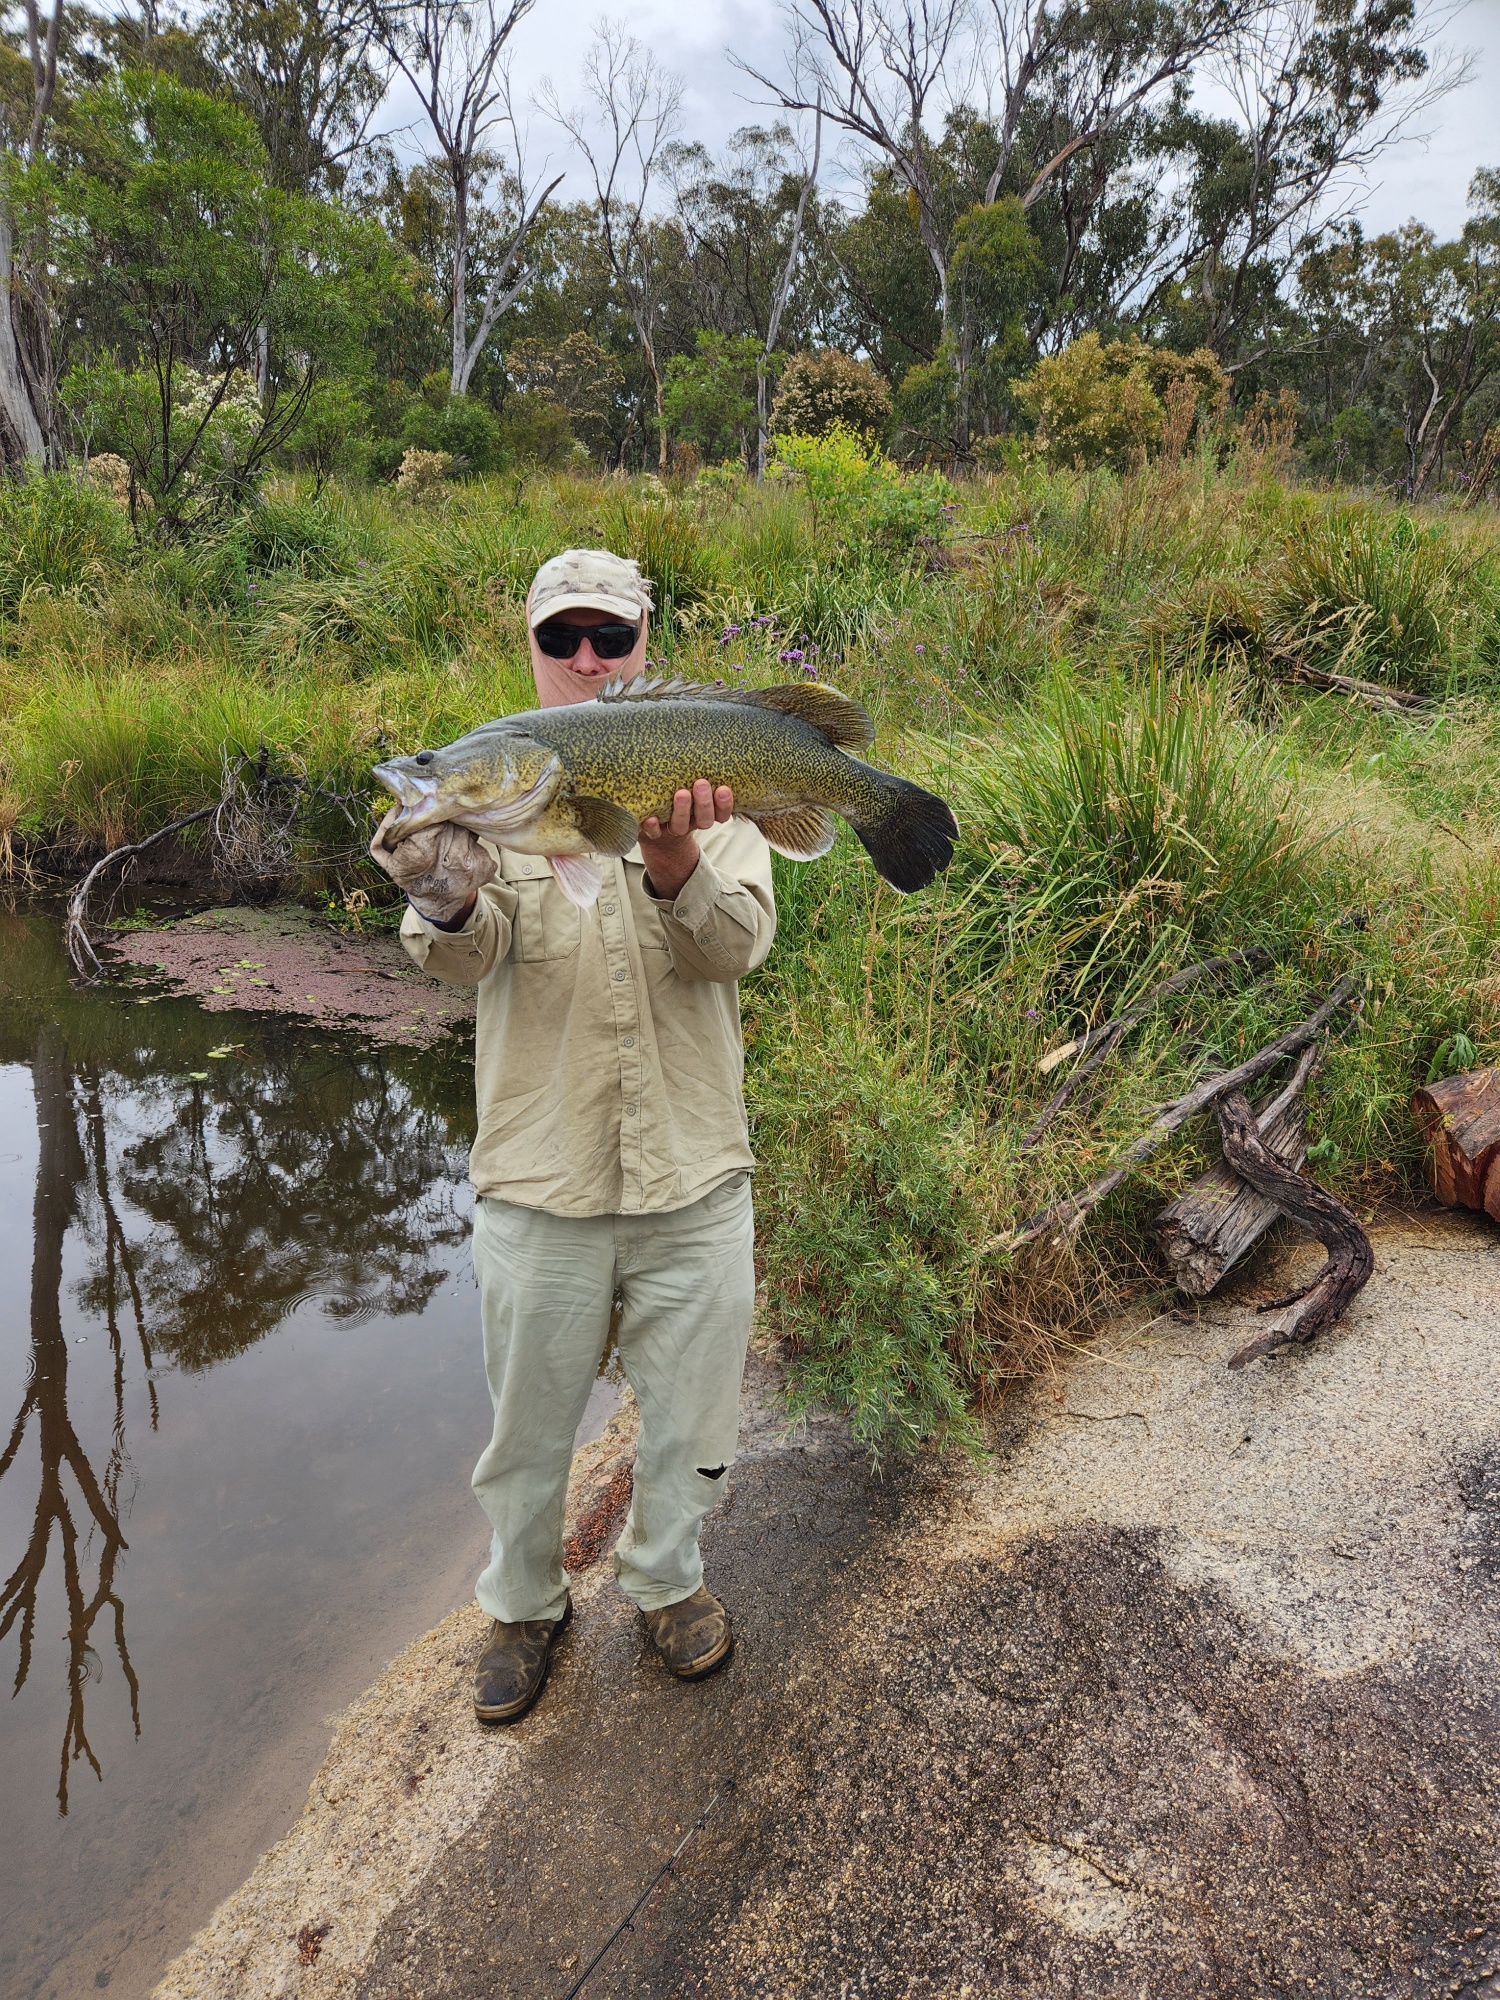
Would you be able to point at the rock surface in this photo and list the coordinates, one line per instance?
(1192, 1690)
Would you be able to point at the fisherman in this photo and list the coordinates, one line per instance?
(612, 1158)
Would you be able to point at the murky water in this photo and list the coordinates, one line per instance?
(240, 1395)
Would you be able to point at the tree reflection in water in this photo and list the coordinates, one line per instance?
(204, 1213)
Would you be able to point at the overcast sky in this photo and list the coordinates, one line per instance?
(1423, 179)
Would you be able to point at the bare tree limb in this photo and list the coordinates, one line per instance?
(1311, 1307)
(1098, 1043)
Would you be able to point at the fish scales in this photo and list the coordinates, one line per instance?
(573, 782)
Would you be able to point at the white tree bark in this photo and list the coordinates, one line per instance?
(24, 436)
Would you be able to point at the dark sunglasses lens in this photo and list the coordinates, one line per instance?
(559, 642)
(613, 642)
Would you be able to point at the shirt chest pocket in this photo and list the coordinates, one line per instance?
(547, 924)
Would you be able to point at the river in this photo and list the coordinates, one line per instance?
(241, 1392)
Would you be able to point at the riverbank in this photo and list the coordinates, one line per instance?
(1194, 1686)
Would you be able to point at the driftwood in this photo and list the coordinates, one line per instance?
(1209, 1228)
(1067, 1216)
(1095, 1046)
(1350, 1260)
(1461, 1118)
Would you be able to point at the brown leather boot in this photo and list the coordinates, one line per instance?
(512, 1669)
(693, 1636)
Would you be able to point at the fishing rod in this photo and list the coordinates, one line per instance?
(650, 1889)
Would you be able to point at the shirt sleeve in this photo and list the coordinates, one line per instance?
(463, 957)
(723, 922)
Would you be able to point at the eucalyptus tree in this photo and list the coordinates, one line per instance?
(623, 130)
(452, 53)
(27, 375)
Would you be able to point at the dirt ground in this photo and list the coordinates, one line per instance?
(1193, 1689)
(286, 960)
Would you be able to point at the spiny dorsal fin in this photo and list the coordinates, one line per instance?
(842, 721)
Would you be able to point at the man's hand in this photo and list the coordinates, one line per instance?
(671, 852)
(442, 869)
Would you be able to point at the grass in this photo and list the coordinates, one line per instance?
(1095, 669)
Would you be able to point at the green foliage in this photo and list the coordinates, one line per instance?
(821, 392)
(1372, 595)
(856, 489)
(1138, 823)
(1107, 404)
(58, 532)
(709, 396)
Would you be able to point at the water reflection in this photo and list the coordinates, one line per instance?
(184, 1205)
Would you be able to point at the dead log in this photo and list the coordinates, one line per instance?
(1397, 700)
(1067, 1216)
(1350, 1259)
(1209, 1227)
(1461, 1118)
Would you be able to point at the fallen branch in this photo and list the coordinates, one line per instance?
(1068, 1215)
(1369, 692)
(1098, 1043)
(1210, 1226)
(1311, 1307)
(81, 953)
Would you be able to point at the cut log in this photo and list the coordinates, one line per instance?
(1350, 1259)
(1209, 1227)
(1461, 1118)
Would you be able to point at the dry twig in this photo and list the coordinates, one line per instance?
(1098, 1043)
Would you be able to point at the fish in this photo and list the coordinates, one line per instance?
(574, 782)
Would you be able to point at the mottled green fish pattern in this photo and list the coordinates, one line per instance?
(576, 781)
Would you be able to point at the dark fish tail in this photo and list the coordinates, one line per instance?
(907, 831)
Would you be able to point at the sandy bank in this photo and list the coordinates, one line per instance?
(1193, 1689)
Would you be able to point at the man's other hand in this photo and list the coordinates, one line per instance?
(671, 851)
(442, 869)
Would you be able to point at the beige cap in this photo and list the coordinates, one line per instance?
(588, 580)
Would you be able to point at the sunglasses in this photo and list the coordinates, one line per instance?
(560, 641)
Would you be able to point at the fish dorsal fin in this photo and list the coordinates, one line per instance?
(842, 721)
(834, 715)
(655, 687)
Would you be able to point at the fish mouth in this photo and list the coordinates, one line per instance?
(416, 799)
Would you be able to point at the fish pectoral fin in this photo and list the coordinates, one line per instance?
(607, 827)
(801, 833)
(577, 875)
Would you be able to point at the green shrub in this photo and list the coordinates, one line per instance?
(61, 533)
(1138, 826)
(1098, 404)
(1371, 595)
(827, 388)
(857, 490)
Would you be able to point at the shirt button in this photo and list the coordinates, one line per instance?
(627, 1041)
(630, 1111)
(619, 975)
(608, 909)
(525, 867)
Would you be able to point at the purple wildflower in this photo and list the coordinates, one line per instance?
(738, 667)
(811, 672)
(792, 653)
(920, 647)
(1032, 1014)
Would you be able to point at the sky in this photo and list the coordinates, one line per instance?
(1425, 177)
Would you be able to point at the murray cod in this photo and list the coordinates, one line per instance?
(572, 782)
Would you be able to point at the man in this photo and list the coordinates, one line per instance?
(612, 1158)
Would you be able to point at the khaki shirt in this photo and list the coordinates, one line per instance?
(608, 1062)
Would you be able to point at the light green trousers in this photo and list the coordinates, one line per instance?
(686, 1282)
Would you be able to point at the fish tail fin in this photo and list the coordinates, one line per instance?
(912, 839)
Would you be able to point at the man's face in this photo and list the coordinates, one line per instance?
(565, 675)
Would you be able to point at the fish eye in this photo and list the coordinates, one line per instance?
(423, 757)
